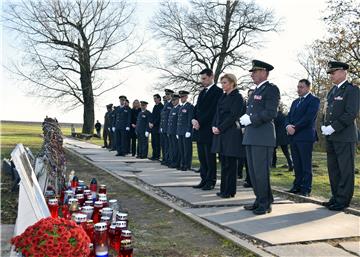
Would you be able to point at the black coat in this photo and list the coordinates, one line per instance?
(155, 117)
(134, 115)
(229, 109)
(204, 113)
(281, 135)
(142, 122)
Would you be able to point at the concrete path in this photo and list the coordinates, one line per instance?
(290, 230)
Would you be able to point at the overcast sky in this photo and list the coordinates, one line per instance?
(301, 25)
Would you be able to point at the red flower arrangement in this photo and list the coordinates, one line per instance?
(53, 237)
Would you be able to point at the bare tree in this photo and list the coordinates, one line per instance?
(212, 34)
(69, 44)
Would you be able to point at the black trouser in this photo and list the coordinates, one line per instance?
(134, 150)
(207, 163)
(118, 140)
(241, 162)
(174, 159)
(185, 149)
(143, 143)
(164, 139)
(112, 140)
(341, 168)
(259, 161)
(286, 152)
(121, 141)
(127, 142)
(106, 136)
(228, 175)
(155, 143)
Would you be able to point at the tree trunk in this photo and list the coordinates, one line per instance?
(87, 90)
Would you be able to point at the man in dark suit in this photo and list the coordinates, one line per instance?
(164, 116)
(300, 126)
(107, 127)
(155, 127)
(184, 131)
(259, 136)
(204, 113)
(133, 138)
(341, 135)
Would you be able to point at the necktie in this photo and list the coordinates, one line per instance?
(300, 101)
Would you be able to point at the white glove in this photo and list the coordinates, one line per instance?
(187, 134)
(327, 130)
(109, 129)
(245, 120)
(161, 130)
(177, 136)
(127, 128)
(146, 134)
(113, 129)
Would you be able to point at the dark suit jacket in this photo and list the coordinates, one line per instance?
(262, 108)
(303, 117)
(155, 117)
(341, 112)
(204, 112)
(228, 111)
(282, 137)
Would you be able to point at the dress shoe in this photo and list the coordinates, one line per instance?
(294, 190)
(330, 202)
(219, 194)
(261, 210)
(247, 185)
(200, 185)
(197, 171)
(179, 168)
(291, 168)
(104, 146)
(208, 187)
(337, 207)
(250, 207)
(118, 154)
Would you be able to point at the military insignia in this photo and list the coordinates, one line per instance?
(184, 110)
(125, 111)
(144, 116)
(174, 113)
(169, 108)
(338, 98)
(257, 97)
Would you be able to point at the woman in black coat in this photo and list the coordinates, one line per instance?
(227, 136)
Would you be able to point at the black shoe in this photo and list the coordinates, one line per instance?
(261, 210)
(197, 171)
(330, 202)
(179, 168)
(200, 185)
(305, 194)
(246, 184)
(112, 149)
(250, 207)
(291, 168)
(227, 196)
(208, 187)
(118, 154)
(337, 207)
(104, 146)
(294, 190)
(219, 194)
(137, 157)
(184, 169)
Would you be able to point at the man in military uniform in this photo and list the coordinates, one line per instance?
(142, 130)
(164, 116)
(155, 127)
(341, 135)
(174, 160)
(259, 136)
(122, 126)
(107, 127)
(184, 131)
(128, 132)
(112, 130)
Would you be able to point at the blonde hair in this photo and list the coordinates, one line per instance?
(230, 77)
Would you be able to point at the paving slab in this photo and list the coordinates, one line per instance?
(7, 232)
(313, 250)
(353, 247)
(287, 223)
(162, 178)
(209, 198)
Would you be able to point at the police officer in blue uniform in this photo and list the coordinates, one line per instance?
(184, 131)
(341, 135)
(174, 158)
(122, 126)
(164, 116)
(155, 127)
(107, 127)
(259, 137)
(142, 130)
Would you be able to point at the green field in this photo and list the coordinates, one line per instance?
(31, 135)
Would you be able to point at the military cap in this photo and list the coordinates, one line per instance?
(260, 65)
(109, 105)
(175, 96)
(169, 91)
(143, 102)
(333, 66)
(122, 97)
(183, 93)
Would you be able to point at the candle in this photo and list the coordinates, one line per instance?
(101, 240)
(53, 207)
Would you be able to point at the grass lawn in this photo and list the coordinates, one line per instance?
(30, 135)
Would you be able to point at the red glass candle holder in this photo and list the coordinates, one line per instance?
(101, 240)
(53, 207)
(102, 189)
(98, 205)
(81, 199)
(120, 225)
(89, 229)
(126, 249)
(122, 216)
